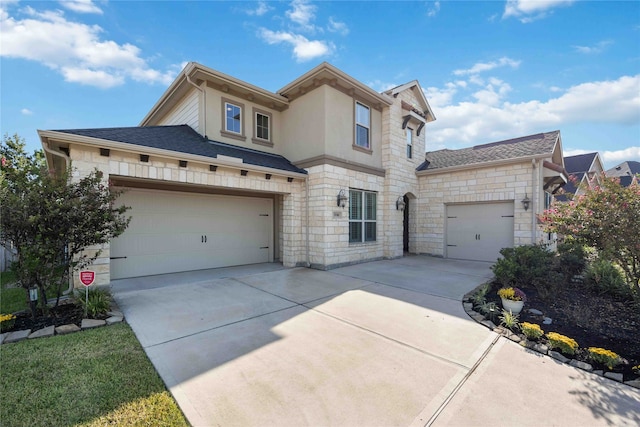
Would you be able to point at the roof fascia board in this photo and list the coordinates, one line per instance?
(482, 164)
(174, 155)
(341, 75)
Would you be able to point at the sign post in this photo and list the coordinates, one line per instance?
(87, 277)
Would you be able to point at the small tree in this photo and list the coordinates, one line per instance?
(605, 217)
(50, 220)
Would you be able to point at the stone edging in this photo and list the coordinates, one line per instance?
(115, 316)
(540, 348)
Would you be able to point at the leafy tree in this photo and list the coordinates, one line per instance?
(605, 217)
(51, 220)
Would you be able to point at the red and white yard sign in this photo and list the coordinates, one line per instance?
(87, 277)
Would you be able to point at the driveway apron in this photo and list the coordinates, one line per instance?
(377, 344)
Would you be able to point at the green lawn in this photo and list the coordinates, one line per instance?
(97, 377)
(11, 299)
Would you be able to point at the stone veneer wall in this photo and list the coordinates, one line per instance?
(329, 224)
(123, 164)
(400, 178)
(488, 184)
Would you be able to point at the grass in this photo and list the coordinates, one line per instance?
(11, 299)
(97, 377)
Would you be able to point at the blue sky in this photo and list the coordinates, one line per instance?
(490, 70)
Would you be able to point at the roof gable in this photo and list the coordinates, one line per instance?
(580, 163)
(538, 145)
(415, 87)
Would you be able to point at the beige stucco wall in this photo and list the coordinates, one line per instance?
(484, 184)
(215, 116)
(289, 195)
(322, 122)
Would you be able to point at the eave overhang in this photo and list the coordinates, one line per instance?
(481, 165)
(47, 136)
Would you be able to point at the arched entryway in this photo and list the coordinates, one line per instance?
(408, 208)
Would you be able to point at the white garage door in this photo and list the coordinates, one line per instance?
(479, 231)
(171, 232)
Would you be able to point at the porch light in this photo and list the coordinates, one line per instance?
(400, 204)
(342, 199)
(526, 202)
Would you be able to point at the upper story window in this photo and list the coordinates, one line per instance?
(262, 127)
(233, 114)
(363, 126)
(362, 216)
(409, 143)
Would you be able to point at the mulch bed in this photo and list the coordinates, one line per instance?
(65, 313)
(592, 320)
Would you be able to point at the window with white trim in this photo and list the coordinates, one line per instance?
(409, 143)
(362, 216)
(233, 118)
(363, 126)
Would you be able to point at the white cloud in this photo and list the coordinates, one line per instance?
(487, 66)
(598, 48)
(81, 6)
(337, 27)
(26, 112)
(302, 13)
(489, 117)
(433, 10)
(75, 50)
(530, 10)
(303, 48)
(261, 9)
(619, 156)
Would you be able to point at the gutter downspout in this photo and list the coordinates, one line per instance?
(308, 261)
(204, 101)
(67, 162)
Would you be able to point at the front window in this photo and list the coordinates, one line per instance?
(363, 120)
(233, 114)
(362, 216)
(409, 143)
(262, 126)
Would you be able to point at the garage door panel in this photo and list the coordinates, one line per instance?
(167, 230)
(479, 231)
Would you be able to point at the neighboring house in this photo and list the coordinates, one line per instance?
(627, 172)
(583, 170)
(324, 172)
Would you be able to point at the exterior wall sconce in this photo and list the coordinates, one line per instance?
(400, 204)
(342, 199)
(526, 202)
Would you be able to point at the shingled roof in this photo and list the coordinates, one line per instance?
(183, 139)
(579, 163)
(532, 145)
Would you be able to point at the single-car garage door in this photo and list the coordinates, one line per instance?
(172, 231)
(479, 231)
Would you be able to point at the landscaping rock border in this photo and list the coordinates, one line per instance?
(540, 348)
(115, 314)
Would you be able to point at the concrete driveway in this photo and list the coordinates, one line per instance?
(376, 344)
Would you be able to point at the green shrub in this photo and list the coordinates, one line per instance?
(605, 278)
(479, 297)
(522, 265)
(572, 259)
(563, 343)
(97, 303)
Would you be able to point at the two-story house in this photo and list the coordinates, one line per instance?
(322, 173)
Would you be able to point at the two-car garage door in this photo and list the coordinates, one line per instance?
(173, 231)
(479, 231)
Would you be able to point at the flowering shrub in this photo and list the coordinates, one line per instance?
(513, 294)
(531, 330)
(6, 321)
(636, 369)
(565, 344)
(606, 357)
